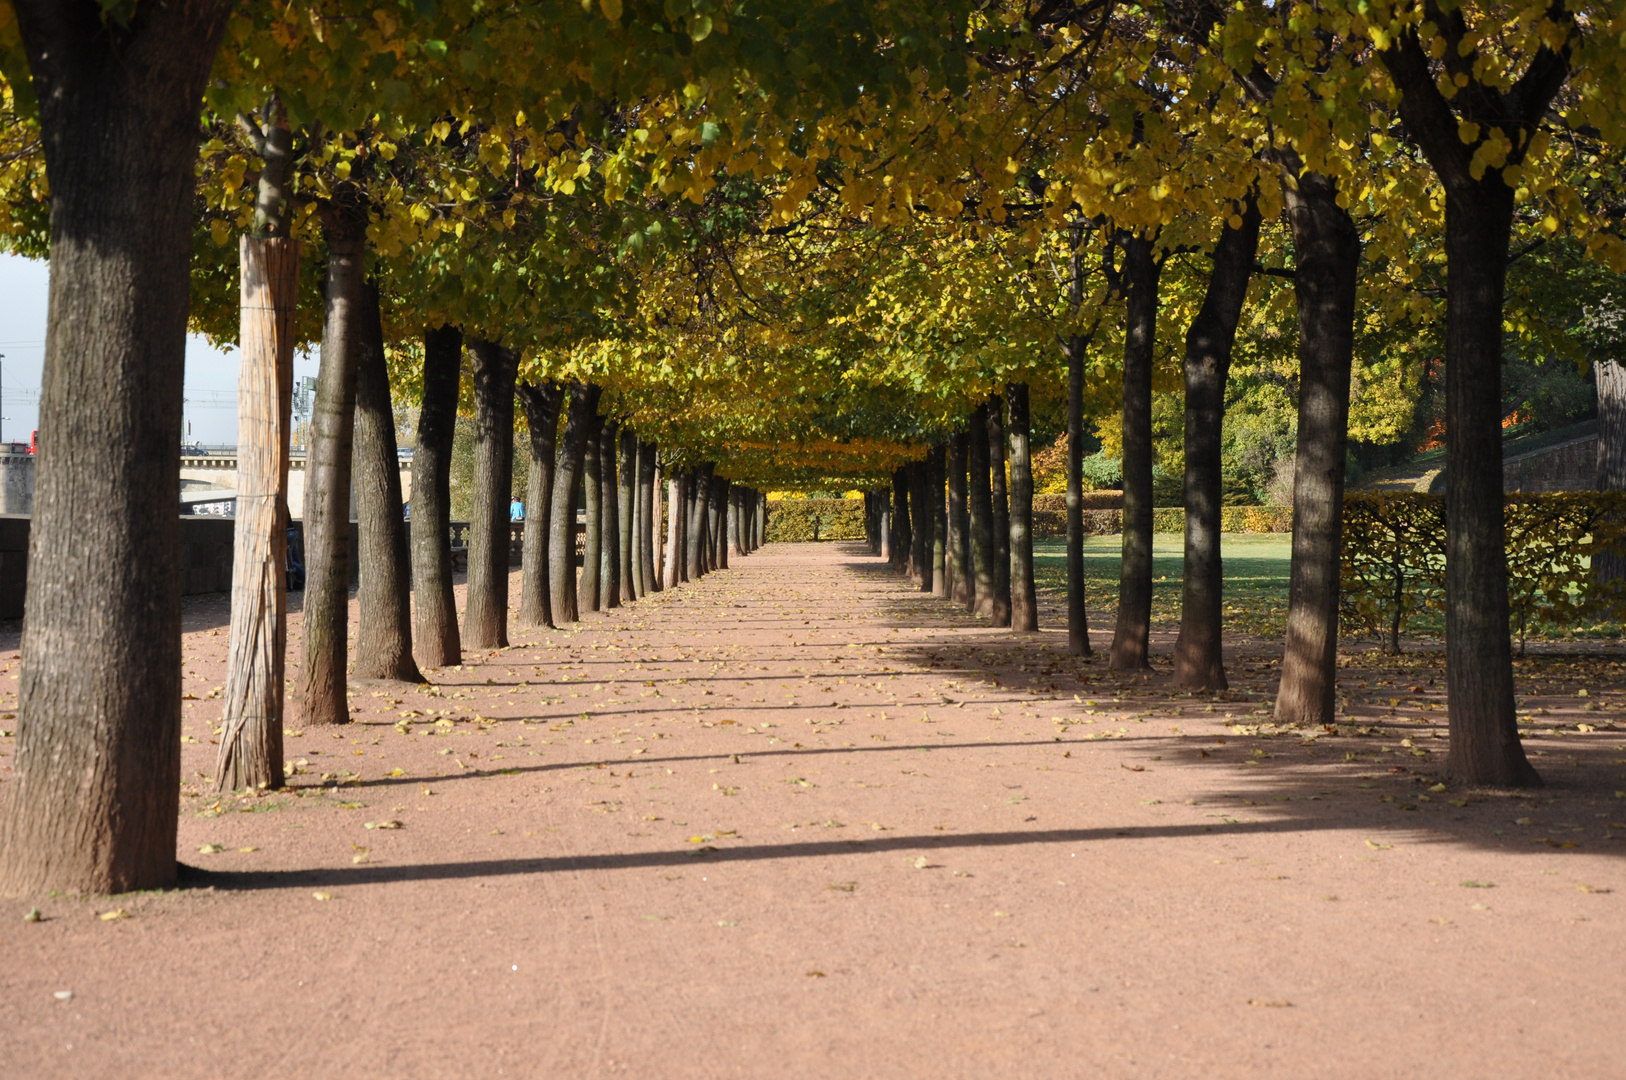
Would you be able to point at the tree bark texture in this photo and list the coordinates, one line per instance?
(676, 517)
(562, 511)
(937, 477)
(920, 513)
(1327, 257)
(1002, 511)
(626, 505)
(609, 565)
(717, 522)
(592, 583)
(437, 642)
(1198, 661)
(1078, 624)
(485, 612)
(697, 541)
(541, 402)
(319, 693)
(961, 587)
(92, 803)
(384, 634)
(649, 526)
(251, 722)
(902, 541)
(980, 501)
(1131, 636)
(1607, 566)
(1024, 597)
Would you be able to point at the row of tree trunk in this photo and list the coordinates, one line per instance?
(956, 526)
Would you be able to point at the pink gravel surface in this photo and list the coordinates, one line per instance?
(797, 819)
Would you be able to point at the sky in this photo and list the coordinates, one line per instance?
(211, 374)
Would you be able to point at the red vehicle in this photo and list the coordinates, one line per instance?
(34, 442)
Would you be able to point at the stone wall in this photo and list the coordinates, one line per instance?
(1569, 466)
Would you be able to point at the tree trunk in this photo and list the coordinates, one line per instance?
(961, 587)
(1327, 256)
(485, 612)
(936, 478)
(1131, 636)
(674, 531)
(251, 740)
(592, 585)
(696, 541)
(1024, 597)
(541, 402)
(1198, 661)
(717, 522)
(883, 501)
(1485, 746)
(384, 636)
(649, 529)
(1610, 566)
(762, 519)
(980, 502)
(319, 693)
(626, 474)
(1078, 624)
(92, 804)
(562, 512)
(1002, 511)
(268, 259)
(920, 513)
(436, 643)
(902, 542)
(609, 565)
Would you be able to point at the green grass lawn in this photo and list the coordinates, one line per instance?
(1255, 577)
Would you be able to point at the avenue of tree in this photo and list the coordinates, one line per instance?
(664, 258)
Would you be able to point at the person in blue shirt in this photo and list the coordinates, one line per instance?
(516, 510)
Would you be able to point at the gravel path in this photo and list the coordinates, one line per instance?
(798, 820)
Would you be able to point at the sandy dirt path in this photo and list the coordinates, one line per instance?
(798, 820)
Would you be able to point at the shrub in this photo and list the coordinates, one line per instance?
(1394, 560)
(797, 520)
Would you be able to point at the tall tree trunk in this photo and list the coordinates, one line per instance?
(717, 522)
(1002, 511)
(592, 585)
(962, 589)
(920, 513)
(902, 542)
(567, 482)
(93, 802)
(1024, 598)
(485, 612)
(319, 693)
(1078, 624)
(268, 259)
(384, 636)
(626, 474)
(541, 402)
(696, 541)
(1610, 377)
(1131, 637)
(1485, 747)
(1198, 661)
(649, 526)
(980, 502)
(1327, 255)
(762, 518)
(673, 570)
(437, 642)
(635, 467)
(885, 514)
(609, 566)
(936, 478)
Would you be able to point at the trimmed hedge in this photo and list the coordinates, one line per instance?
(1103, 516)
(1394, 560)
(797, 520)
